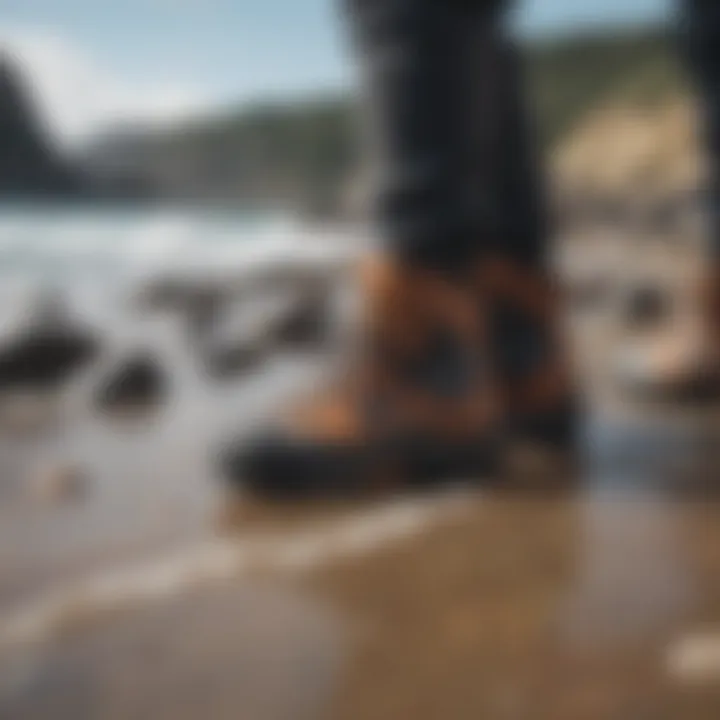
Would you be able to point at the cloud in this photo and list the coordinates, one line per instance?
(79, 97)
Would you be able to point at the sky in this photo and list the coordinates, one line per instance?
(98, 62)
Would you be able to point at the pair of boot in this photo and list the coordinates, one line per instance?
(455, 367)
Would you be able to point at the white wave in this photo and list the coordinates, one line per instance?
(216, 560)
(122, 242)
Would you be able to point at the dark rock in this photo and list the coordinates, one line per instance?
(198, 302)
(242, 339)
(274, 322)
(230, 360)
(137, 383)
(306, 324)
(645, 306)
(45, 355)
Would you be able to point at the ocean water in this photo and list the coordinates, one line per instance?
(91, 252)
(153, 483)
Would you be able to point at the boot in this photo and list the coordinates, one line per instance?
(537, 388)
(418, 408)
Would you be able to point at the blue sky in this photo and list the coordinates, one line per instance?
(174, 55)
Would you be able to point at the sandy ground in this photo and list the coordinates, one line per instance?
(537, 608)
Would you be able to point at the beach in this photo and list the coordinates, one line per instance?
(153, 590)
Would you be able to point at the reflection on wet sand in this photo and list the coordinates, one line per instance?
(244, 554)
(601, 602)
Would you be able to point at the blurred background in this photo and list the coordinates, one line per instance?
(241, 106)
(183, 196)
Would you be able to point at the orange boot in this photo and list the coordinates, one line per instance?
(419, 407)
(530, 355)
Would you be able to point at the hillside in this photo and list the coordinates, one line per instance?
(304, 155)
(571, 78)
(625, 151)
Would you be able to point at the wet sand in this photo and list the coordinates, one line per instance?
(256, 650)
(573, 606)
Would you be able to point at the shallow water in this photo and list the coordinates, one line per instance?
(150, 483)
(258, 651)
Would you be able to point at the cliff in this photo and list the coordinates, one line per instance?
(29, 163)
